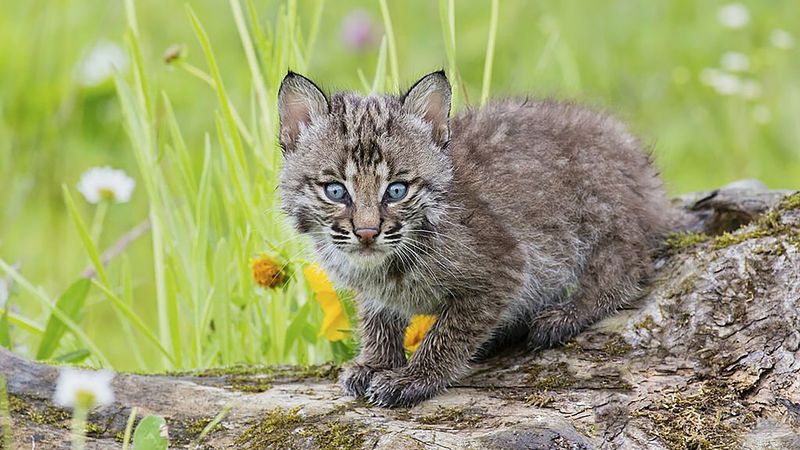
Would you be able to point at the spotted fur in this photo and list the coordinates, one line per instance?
(524, 221)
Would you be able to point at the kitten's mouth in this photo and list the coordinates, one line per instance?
(367, 254)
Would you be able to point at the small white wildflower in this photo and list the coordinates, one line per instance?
(101, 62)
(733, 15)
(750, 89)
(761, 114)
(735, 62)
(727, 84)
(83, 388)
(105, 183)
(781, 39)
(722, 82)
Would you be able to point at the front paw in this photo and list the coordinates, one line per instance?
(391, 389)
(356, 378)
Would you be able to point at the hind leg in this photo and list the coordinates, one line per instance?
(507, 336)
(612, 276)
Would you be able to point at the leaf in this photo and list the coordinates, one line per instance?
(151, 434)
(343, 351)
(310, 333)
(296, 328)
(70, 303)
(5, 333)
(73, 357)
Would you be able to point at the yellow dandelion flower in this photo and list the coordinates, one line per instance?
(266, 272)
(334, 320)
(416, 331)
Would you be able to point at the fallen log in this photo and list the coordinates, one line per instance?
(707, 358)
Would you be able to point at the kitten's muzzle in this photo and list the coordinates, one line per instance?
(366, 235)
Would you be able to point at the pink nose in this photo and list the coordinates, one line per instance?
(366, 235)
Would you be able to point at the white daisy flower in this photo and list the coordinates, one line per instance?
(781, 39)
(84, 388)
(105, 183)
(727, 84)
(733, 15)
(722, 82)
(735, 62)
(101, 62)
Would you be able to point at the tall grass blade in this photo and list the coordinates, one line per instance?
(448, 24)
(393, 65)
(134, 319)
(211, 425)
(74, 357)
(83, 233)
(490, 44)
(379, 82)
(22, 323)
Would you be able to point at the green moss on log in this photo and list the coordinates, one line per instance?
(454, 417)
(679, 241)
(711, 418)
(288, 429)
(768, 224)
(549, 377)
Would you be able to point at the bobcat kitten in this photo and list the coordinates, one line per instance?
(521, 220)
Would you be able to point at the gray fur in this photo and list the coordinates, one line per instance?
(525, 220)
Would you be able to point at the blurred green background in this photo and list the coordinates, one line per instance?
(711, 86)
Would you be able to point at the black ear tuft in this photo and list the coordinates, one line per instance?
(300, 101)
(429, 98)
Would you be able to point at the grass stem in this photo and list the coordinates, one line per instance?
(490, 44)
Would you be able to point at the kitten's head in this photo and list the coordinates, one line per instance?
(365, 177)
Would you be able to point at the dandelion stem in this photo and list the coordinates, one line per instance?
(98, 221)
(79, 415)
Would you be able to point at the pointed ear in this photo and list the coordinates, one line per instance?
(300, 101)
(429, 98)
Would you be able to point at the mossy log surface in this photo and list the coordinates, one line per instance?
(707, 358)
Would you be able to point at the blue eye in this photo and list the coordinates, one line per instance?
(396, 191)
(336, 192)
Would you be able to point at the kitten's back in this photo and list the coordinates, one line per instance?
(548, 164)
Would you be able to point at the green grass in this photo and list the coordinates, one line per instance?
(198, 135)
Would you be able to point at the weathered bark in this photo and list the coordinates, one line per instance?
(707, 358)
